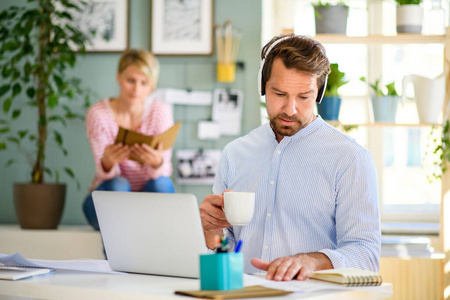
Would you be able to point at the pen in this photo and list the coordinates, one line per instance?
(238, 246)
(223, 246)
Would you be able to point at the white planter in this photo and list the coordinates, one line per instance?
(429, 95)
(409, 18)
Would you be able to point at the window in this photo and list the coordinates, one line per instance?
(402, 154)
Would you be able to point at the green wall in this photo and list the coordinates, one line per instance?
(98, 73)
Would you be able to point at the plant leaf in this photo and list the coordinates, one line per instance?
(52, 101)
(17, 88)
(16, 113)
(4, 89)
(7, 105)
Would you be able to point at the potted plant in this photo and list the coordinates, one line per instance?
(384, 101)
(330, 18)
(409, 16)
(442, 149)
(331, 103)
(38, 46)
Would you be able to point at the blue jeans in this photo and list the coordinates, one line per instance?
(120, 184)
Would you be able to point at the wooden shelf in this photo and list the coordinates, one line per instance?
(380, 39)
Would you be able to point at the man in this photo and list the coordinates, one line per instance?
(316, 188)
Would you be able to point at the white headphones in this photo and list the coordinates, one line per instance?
(262, 89)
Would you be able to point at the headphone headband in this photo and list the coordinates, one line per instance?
(261, 86)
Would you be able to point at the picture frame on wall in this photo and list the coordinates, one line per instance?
(182, 27)
(109, 19)
(197, 166)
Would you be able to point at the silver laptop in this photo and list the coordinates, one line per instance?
(151, 233)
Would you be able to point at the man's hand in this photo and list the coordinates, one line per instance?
(147, 155)
(213, 218)
(114, 154)
(300, 266)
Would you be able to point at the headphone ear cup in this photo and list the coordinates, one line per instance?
(321, 91)
(261, 89)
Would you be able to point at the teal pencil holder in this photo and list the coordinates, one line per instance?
(221, 271)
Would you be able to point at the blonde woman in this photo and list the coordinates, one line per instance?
(132, 109)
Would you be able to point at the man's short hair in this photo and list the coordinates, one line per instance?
(298, 52)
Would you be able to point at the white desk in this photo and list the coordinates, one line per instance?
(74, 285)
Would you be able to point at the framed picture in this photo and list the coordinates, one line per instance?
(197, 166)
(182, 27)
(109, 20)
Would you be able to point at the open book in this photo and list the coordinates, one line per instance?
(349, 277)
(130, 137)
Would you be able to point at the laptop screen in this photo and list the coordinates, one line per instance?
(151, 233)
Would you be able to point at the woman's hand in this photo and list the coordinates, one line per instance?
(114, 154)
(147, 155)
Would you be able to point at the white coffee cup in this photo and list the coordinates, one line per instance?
(239, 207)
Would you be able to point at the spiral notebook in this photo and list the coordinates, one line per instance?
(349, 277)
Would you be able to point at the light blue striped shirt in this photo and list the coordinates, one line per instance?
(316, 191)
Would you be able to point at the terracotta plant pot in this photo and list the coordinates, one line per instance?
(39, 206)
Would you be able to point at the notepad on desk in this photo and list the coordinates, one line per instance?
(247, 292)
(349, 277)
(16, 273)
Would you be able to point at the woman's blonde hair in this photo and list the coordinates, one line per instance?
(144, 60)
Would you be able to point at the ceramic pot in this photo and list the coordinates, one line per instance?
(409, 18)
(329, 108)
(39, 206)
(385, 108)
(331, 19)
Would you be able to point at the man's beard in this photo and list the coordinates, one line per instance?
(284, 130)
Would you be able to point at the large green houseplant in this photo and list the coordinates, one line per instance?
(331, 103)
(38, 46)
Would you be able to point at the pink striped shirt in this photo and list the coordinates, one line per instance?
(102, 129)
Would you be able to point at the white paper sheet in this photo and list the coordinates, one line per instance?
(89, 265)
(183, 97)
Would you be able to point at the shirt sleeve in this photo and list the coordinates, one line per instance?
(357, 217)
(99, 140)
(163, 117)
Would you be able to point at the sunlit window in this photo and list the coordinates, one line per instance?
(403, 154)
